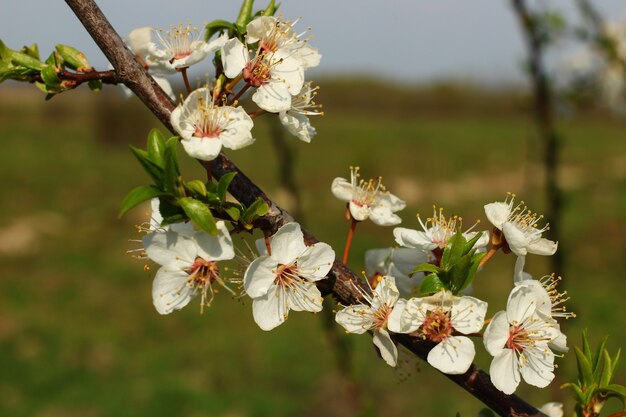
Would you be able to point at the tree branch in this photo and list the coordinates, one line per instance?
(340, 279)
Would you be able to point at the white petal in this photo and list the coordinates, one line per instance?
(468, 314)
(140, 40)
(482, 241)
(504, 372)
(538, 367)
(289, 70)
(552, 409)
(165, 86)
(237, 131)
(496, 334)
(298, 125)
(383, 216)
(386, 347)
(269, 311)
(517, 240)
(521, 305)
(287, 243)
(216, 43)
(205, 149)
(234, 57)
(356, 319)
(216, 248)
(542, 246)
(395, 322)
(167, 247)
(309, 56)
(559, 343)
(497, 213)
(389, 200)
(410, 238)
(180, 123)
(306, 298)
(342, 189)
(542, 299)
(518, 271)
(170, 290)
(315, 262)
(359, 212)
(273, 97)
(386, 291)
(260, 28)
(260, 276)
(452, 356)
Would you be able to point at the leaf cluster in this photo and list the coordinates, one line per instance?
(26, 65)
(457, 267)
(595, 372)
(181, 201)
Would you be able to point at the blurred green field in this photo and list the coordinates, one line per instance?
(79, 335)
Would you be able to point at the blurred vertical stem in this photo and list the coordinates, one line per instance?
(536, 45)
(341, 346)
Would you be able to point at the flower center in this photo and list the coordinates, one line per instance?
(365, 193)
(177, 41)
(209, 119)
(381, 316)
(437, 326)
(524, 219)
(203, 273)
(257, 72)
(518, 338)
(286, 275)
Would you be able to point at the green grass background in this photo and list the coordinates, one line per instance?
(79, 335)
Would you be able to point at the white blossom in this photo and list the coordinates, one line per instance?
(285, 279)
(204, 127)
(520, 231)
(368, 199)
(552, 409)
(519, 339)
(359, 318)
(189, 265)
(438, 318)
(296, 119)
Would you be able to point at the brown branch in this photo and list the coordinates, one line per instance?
(71, 79)
(340, 279)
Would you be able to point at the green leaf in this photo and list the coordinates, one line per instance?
(584, 368)
(171, 177)
(616, 360)
(155, 146)
(257, 209)
(425, 268)
(223, 184)
(216, 26)
(604, 378)
(476, 258)
(459, 273)
(470, 243)
(73, 58)
(245, 15)
(234, 212)
(431, 284)
(25, 60)
(596, 357)
(453, 251)
(32, 50)
(577, 391)
(50, 77)
(589, 393)
(95, 85)
(271, 8)
(155, 171)
(199, 213)
(617, 389)
(587, 347)
(137, 196)
(197, 187)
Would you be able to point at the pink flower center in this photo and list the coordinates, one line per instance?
(382, 315)
(203, 272)
(437, 326)
(257, 72)
(286, 275)
(518, 338)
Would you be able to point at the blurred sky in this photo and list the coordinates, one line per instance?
(476, 40)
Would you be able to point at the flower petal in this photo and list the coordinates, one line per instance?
(215, 248)
(269, 311)
(287, 244)
(260, 276)
(383, 216)
(315, 262)
(496, 334)
(342, 189)
(517, 240)
(468, 314)
(497, 213)
(273, 97)
(504, 371)
(410, 238)
(453, 355)
(237, 131)
(306, 298)
(234, 57)
(170, 290)
(521, 305)
(386, 347)
(167, 247)
(552, 409)
(542, 246)
(359, 212)
(357, 319)
(205, 149)
(386, 291)
(537, 366)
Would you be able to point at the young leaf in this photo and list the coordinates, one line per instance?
(271, 8)
(73, 58)
(453, 251)
(245, 15)
(139, 195)
(199, 213)
(197, 187)
(470, 243)
(425, 268)
(485, 412)
(95, 85)
(223, 184)
(257, 209)
(216, 26)
(459, 273)
(597, 355)
(171, 176)
(605, 377)
(155, 146)
(155, 171)
(234, 212)
(431, 284)
(584, 368)
(50, 77)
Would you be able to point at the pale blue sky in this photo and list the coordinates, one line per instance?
(398, 39)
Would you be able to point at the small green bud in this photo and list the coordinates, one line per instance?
(73, 58)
